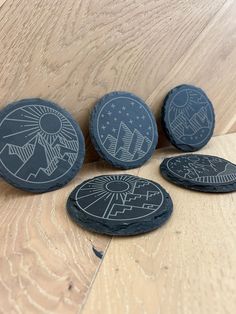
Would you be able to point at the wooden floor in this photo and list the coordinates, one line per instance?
(73, 52)
(49, 265)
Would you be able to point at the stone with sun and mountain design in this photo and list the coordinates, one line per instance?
(119, 205)
(188, 117)
(200, 172)
(123, 130)
(41, 145)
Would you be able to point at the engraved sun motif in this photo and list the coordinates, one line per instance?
(38, 143)
(119, 197)
(190, 116)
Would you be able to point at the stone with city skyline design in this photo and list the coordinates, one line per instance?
(123, 130)
(188, 117)
(41, 146)
(200, 172)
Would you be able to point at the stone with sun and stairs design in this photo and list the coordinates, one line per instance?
(200, 172)
(119, 205)
(41, 146)
(188, 117)
(123, 130)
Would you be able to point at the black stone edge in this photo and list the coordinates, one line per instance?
(98, 148)
(181, 146)
(80, 159)
(220, 188)
(134, 228)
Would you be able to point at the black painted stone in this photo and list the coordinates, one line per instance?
(119, 205)
(188, 118)
(200, 172)
(123, 130)
(41, 146)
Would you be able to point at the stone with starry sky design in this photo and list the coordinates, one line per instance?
(188, 118)
(200, 172)
(123, 130)
(119, 204)
(41, 145)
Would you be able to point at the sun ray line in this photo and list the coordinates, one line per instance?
(89, 189)
(67, 128)
(34, 112)
(36, 131)
(16, 133)
(27, 125)
(30, 113)
(94, 202)
(99, 193)
(98, 185)
(38, 109)
(19, 120)
(32, 118)
(100, 180)
(68, 132)
(65, 135)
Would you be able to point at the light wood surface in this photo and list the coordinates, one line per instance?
(73, 52)
(47, 263)
(209, 63)
(185, 267)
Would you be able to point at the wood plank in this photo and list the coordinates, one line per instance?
(185, 267)
(211, 64)
(47, 262)
(75, 51)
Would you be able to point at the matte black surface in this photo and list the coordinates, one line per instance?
(123, 130)
(41, 146)
(200, 172)
(188, 118)
(119, 205)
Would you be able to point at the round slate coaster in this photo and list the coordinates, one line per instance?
(41, 146)
(123, 130)
(119, 205)
(188, 118)
(200, 172)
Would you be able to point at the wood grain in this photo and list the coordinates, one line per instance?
(211, 64)
(187, 266)
(47, 262)
(73, 52)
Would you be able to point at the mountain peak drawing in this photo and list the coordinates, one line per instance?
(185, 125)
(39, 161)
(127, 145)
